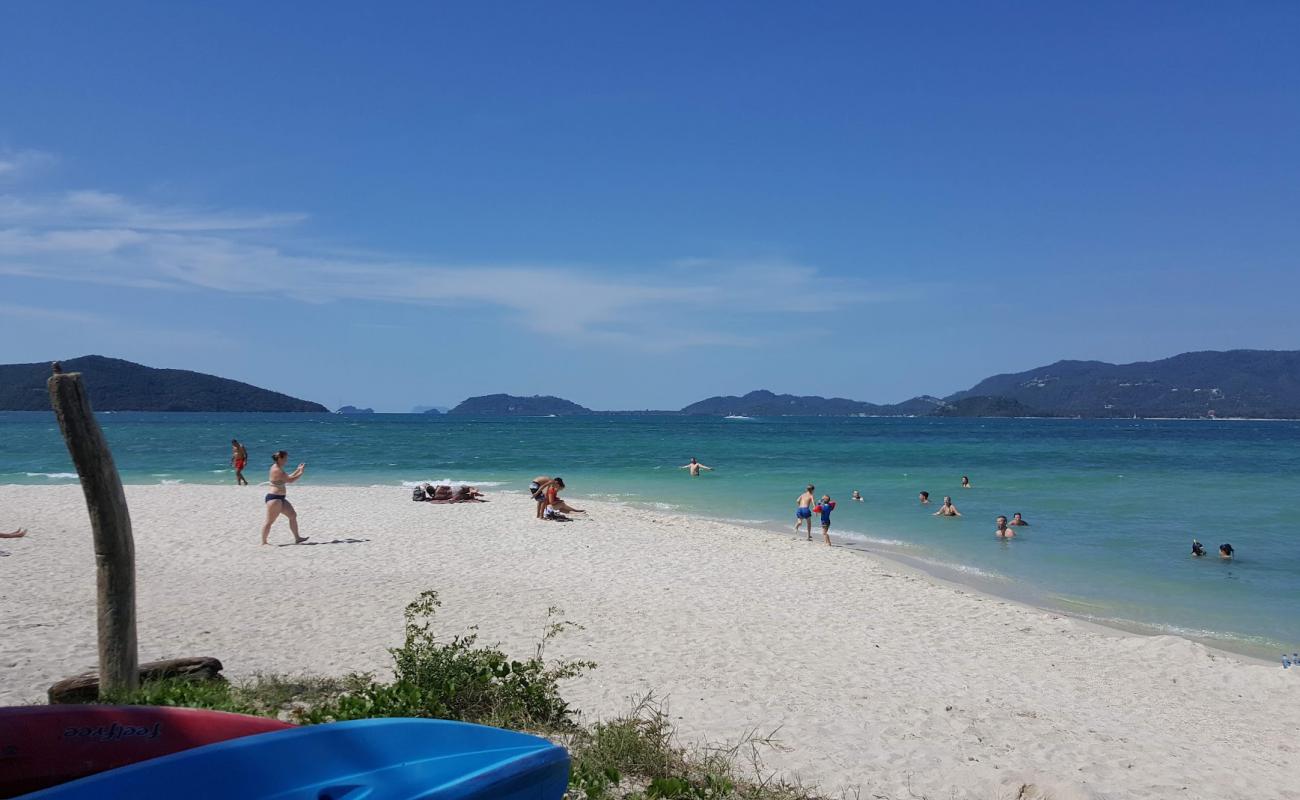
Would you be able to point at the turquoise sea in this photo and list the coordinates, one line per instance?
(1113, 504)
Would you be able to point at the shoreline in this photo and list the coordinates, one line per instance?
(927, 563)
(873, 674)
(951, 575)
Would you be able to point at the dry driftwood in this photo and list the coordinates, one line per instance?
(84, 688)
(111, 526)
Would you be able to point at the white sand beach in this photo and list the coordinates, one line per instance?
(871, 675)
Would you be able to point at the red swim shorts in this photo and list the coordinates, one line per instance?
(239, 464)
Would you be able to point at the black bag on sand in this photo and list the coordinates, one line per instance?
(417, 494)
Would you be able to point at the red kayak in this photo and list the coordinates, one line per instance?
(44, 746)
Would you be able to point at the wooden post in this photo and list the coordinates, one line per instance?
(111, 524)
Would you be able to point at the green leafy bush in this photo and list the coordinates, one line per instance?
(457, 679)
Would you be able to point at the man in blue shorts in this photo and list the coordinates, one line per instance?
(803, 510)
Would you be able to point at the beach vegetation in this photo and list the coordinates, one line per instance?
(635, 756)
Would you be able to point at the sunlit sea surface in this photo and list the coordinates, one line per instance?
(1113, 504)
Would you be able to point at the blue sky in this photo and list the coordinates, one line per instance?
(643, 204)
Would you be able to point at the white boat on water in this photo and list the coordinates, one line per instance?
(736, 416)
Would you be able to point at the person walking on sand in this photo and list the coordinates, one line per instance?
(695, 467)
(277, 502)
(1003, 532)
(238, 460)
(947, 509)
(803, 510)
(825, 507)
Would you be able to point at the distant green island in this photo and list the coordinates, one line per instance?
(1262, 384)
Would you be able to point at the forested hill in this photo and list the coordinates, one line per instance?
(1232, 383)
(117, 385)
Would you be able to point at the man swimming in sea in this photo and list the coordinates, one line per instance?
(925, 498)
(803, 510)
(947, 509)
(857, 495)
(1198, 549)
(1003, 532)
(695, 467)
(1017, 520)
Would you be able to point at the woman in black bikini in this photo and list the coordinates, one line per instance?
(276, 502)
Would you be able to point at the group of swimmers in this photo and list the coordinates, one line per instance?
(1198, 550)
(1004, 525)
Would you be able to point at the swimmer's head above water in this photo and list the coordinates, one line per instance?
(1198, 549)
(1225, 551)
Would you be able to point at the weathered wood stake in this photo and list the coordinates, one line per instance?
(111, 524)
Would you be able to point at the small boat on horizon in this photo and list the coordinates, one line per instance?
(736, 416)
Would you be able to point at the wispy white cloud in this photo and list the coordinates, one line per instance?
(99, 237)
(16, 164)
(88, 207)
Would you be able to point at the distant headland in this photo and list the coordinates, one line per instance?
(1262, 384)
(117, 385)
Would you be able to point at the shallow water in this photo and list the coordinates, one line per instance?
(1113, 504)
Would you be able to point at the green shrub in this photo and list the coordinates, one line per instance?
(456, 679)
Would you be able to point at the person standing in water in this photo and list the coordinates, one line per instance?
(803, 510)
(277, 502)
(1003, 532)
(1017, 520)
(947, 509)
(857, 496)
(238, 460)
(825, 507)
(965, 482)
(695, 467)
(925, 498)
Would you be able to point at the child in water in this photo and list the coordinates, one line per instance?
(1198, 549)
(825, 508)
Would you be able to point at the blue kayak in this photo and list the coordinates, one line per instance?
(371, 759)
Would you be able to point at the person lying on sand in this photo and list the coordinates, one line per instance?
(1003, 532)
(18, 534)
(947, 509)
(444, 494)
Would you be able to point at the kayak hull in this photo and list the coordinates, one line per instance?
(375, 759)
(43, 746)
